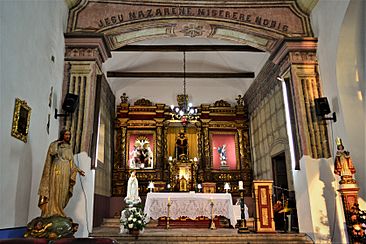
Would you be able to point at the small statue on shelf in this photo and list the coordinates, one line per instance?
(124, 98)
(240, 100)
(343, 165)
(222, 152)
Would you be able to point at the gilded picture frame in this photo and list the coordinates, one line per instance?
(141, 149)
(21, 120)
(226, 141)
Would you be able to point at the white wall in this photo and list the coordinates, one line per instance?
(351, 84)
(80, 207)
(318, 206)
(339, 27)
(166, 90)
(31, 32)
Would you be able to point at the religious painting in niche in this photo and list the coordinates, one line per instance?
(21, 119)
(224, 150)
(141, 151)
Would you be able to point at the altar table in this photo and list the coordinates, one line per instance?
(191, 205)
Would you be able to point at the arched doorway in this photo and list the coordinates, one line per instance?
(280, 29)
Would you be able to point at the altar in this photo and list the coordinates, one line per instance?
(190, 205)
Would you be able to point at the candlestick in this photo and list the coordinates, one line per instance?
(243, 223)
(168, 217)
(212, 226)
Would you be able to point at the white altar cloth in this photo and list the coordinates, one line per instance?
(190, 205)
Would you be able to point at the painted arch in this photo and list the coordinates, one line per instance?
(261, 24)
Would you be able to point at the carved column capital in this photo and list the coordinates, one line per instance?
(86, 47)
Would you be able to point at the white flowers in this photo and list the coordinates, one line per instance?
(134, 218)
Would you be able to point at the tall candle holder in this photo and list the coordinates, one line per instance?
(243, 223)
(212, 226)
(168, 217)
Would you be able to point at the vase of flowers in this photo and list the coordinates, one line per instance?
(134, 220)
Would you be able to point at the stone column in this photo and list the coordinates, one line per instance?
(298, 62)
(84, 55)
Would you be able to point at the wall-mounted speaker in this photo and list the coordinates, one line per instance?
(321, 106)
(70, 103)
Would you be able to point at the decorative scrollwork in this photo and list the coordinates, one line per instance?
(222, 103)
(143, 102)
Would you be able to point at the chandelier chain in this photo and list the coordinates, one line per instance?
(184, 79)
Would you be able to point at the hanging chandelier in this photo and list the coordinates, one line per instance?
(184, 112)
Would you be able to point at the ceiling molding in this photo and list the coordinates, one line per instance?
(118, 74)
(188, 48)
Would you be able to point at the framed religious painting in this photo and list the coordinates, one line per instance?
(21, 120)
(224, 150)
(141, 149)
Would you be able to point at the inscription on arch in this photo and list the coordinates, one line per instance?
(261, 18)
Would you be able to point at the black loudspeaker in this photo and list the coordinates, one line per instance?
(321, 106)
(70, 103)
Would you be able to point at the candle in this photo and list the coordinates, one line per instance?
(168, 199)
(241, 185)
(211, 199)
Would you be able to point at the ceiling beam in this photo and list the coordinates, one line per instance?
(118, 74)
(187, 48)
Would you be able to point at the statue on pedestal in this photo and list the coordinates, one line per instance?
(132, 197)
(343, 165)
(133, 210)
(55, 190)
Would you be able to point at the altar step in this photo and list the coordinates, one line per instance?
(110, 222)
(114, 223)
(152, 234)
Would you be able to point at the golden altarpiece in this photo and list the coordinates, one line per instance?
(177, 157)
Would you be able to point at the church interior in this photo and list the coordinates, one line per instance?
(231, 117)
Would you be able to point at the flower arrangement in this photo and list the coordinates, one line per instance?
(133, 219)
